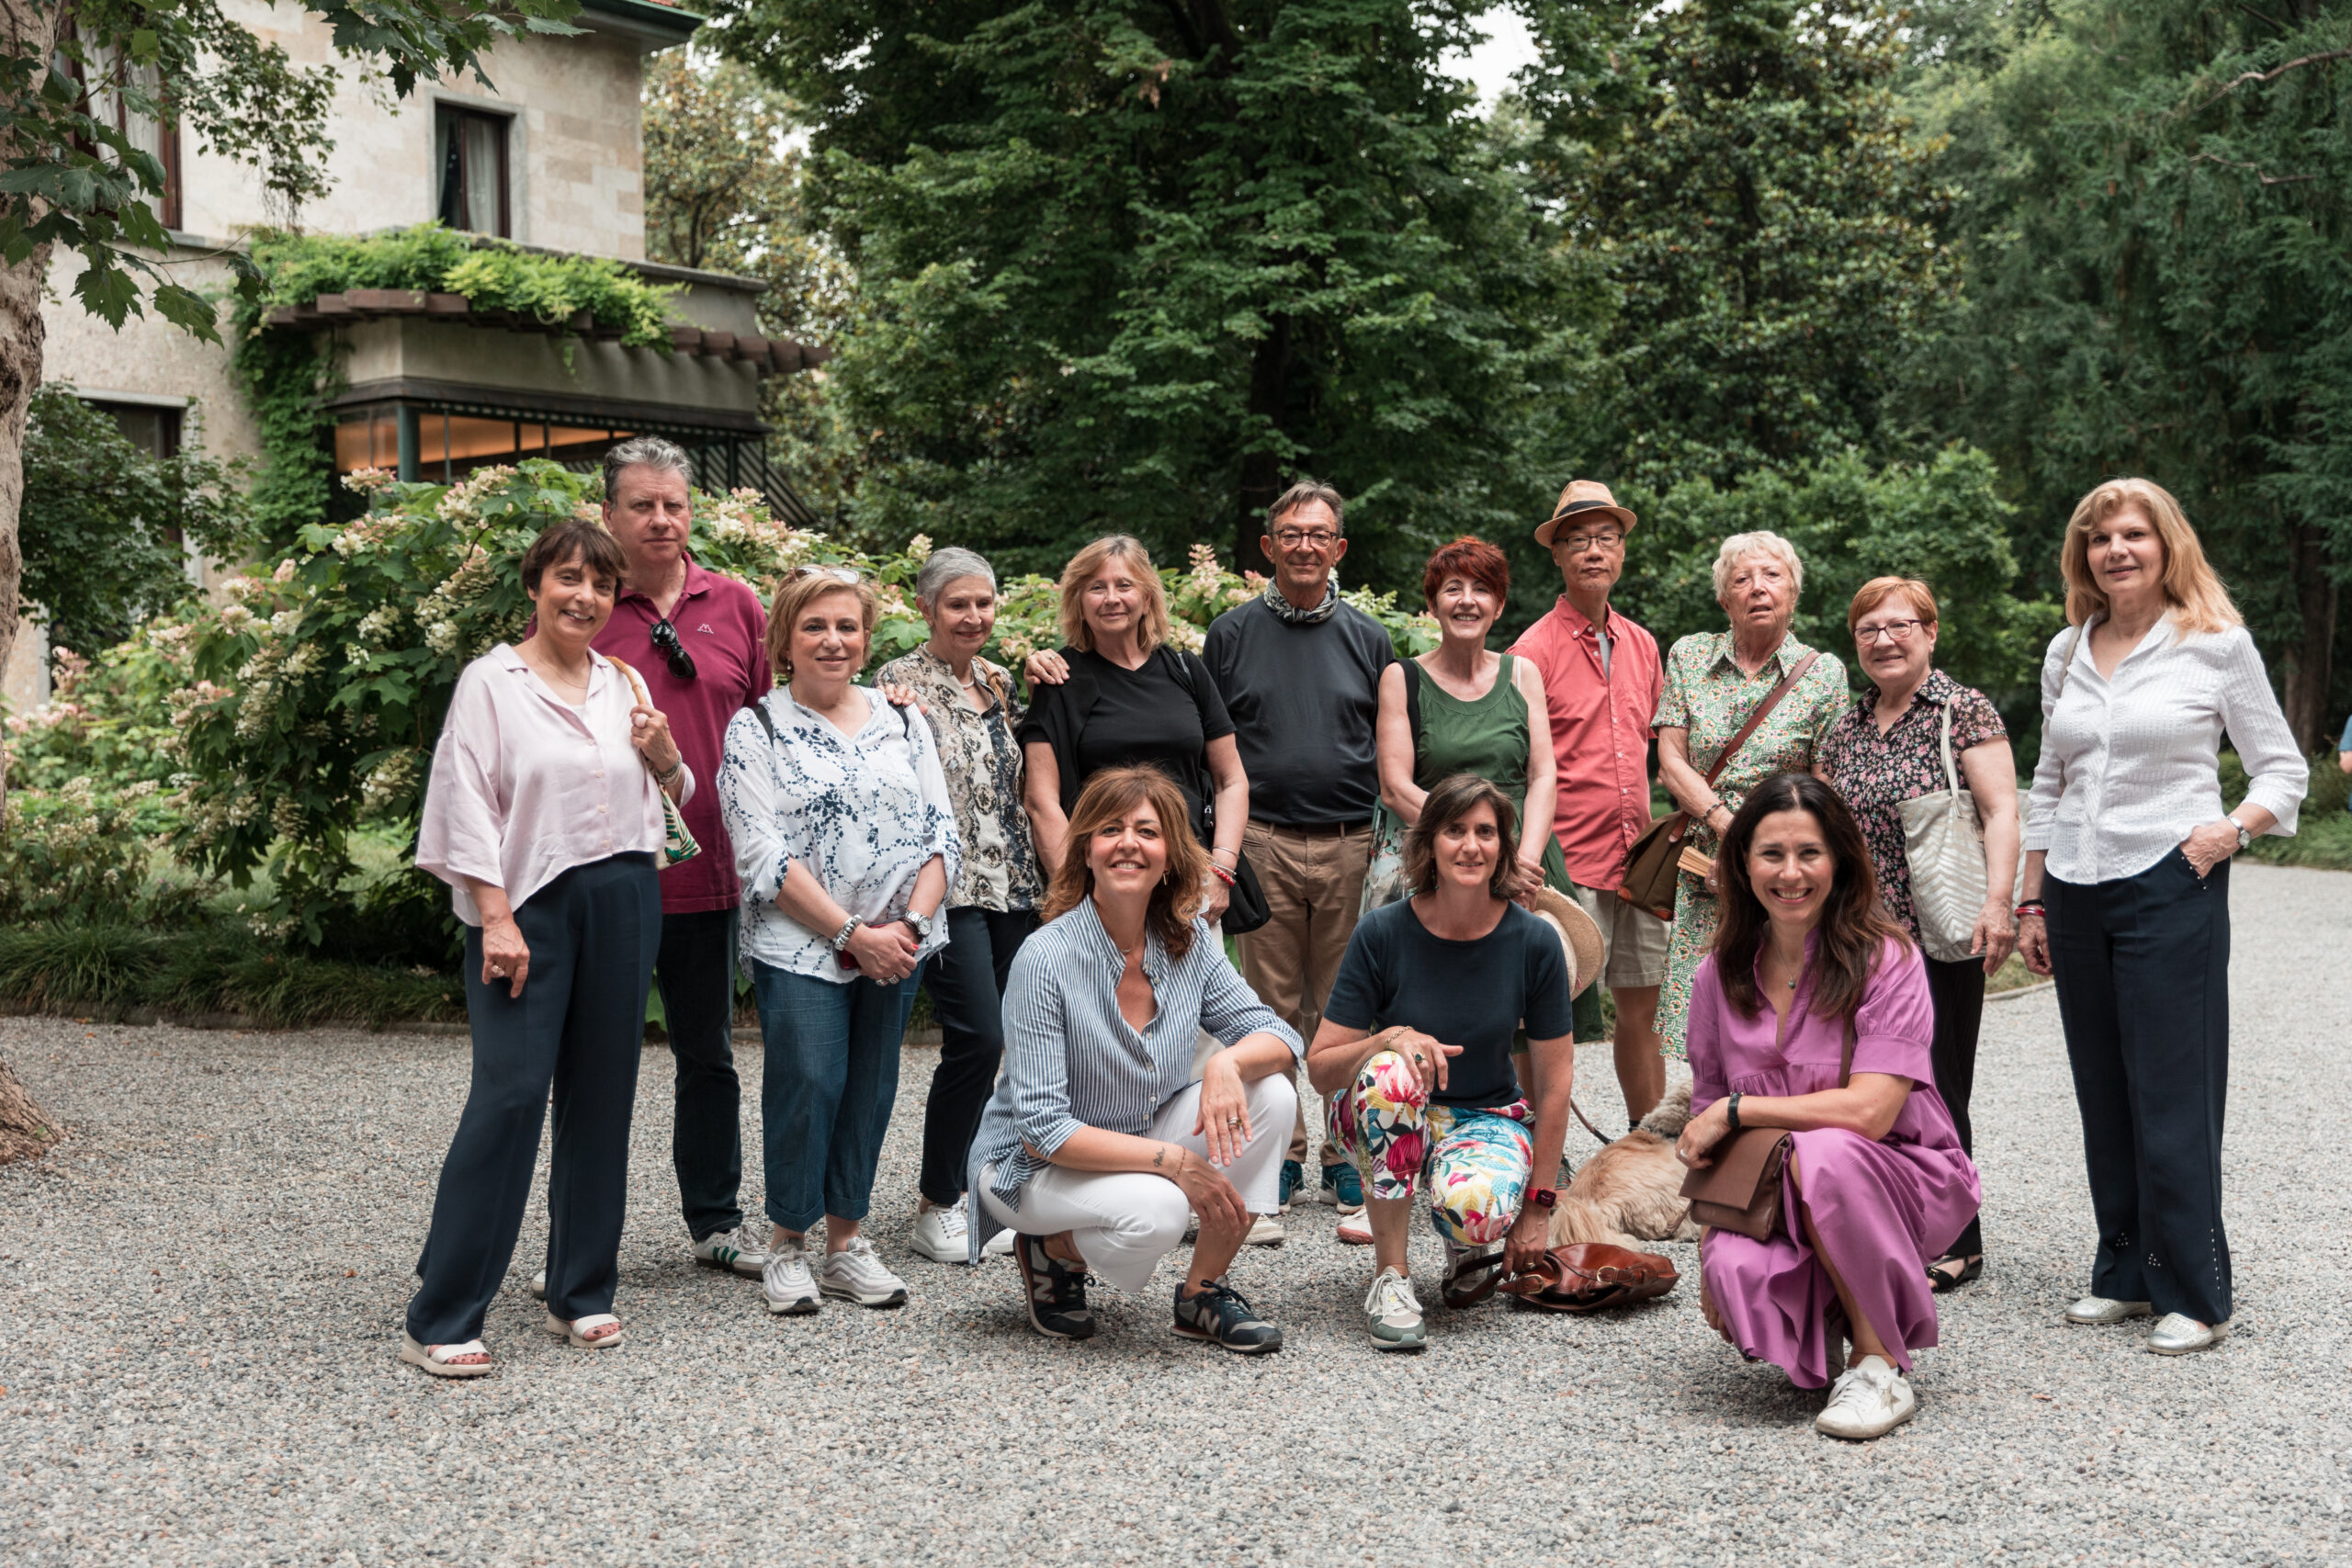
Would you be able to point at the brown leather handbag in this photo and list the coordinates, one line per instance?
(1646, 880)
(1739, 1190)
(1584, 1277)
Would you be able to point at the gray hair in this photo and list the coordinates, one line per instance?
(644, 451)
(947, 566)
(1763, 542)
(1299, 495)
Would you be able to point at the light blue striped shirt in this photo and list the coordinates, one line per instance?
(1071, 1061)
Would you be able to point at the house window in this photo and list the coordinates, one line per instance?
(161, 139)
(470, 150)
(153, 428)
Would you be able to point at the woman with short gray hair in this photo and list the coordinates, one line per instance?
(991, 909)
(1714, 682)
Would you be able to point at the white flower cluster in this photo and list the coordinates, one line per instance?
(378, 625)
(367, 481)
(391, 782)
(919, 548)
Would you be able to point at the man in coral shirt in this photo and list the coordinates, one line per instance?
(1602, 677)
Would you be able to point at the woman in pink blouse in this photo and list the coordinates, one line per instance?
(1876, 1182)
(544, 816)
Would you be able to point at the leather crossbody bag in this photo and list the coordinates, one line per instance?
(1646, 880)
(1739, 1190)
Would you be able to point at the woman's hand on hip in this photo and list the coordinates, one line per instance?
(504, 954)
(649, 733)
(1206, 1188)
(884, 953)
(2033, 943)
(1530, 1239)
(1224, 1123)
(2208, 846)
(1702, 1133)
(1995, 935)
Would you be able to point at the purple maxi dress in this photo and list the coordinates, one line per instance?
(1883, 1209)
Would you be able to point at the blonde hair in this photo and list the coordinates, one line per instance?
(1879, 589)
(1763, 542)
(1087, 565)
(1109, 796)
(801, 587)
(2191, 585)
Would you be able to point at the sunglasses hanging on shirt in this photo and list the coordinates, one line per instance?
(672, 651)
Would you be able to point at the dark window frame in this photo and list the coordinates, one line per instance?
(449, 121)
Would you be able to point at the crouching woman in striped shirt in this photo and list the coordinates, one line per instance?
(1096, 1149)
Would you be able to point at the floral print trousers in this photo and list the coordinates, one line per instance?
(1475, 1163)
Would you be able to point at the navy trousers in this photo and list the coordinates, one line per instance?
(1957, 989)
(577, 1029)
(695, 970)
(2142, 967)
(966, 979)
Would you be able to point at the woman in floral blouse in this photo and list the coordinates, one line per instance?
(1713, 680)
(1888, 748)
(991, 909)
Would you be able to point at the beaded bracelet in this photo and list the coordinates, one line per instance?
(1221, 873)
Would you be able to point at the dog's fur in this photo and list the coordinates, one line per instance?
(1632, 1192)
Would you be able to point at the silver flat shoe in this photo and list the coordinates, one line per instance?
(2175, 1335)
(2099, 1310)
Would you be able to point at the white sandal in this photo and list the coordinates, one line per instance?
(441, 1359)
(575, 1330)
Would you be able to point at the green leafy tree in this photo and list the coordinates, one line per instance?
(106, 525)
(2159, 234)
(1134, 265)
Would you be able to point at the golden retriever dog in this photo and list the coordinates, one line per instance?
(1631, 1192)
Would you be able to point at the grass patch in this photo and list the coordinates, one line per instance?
(73, 968)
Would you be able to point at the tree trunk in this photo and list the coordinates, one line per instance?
(25, 1131)
(2309, 667)
(1262, 471)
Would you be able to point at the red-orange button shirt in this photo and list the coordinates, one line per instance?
(1601, 734)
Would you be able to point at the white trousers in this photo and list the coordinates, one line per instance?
(1126, 1222)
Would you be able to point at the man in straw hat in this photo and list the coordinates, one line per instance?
(1602, 677)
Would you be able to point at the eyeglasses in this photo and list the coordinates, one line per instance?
(1293, 538)
(838, 573)
(1893, 631)
(1577, 544)
(672, 651)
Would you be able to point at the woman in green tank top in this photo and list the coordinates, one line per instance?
(1460, 709)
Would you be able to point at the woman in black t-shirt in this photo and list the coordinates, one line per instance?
(1127, 697)
(1414, 1055)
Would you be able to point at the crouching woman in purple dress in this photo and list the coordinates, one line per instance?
(1876, 1182)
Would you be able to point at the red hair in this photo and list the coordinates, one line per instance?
(1474, 558)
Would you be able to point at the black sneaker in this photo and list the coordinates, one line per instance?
(1057, 1292)
(1219, 1313)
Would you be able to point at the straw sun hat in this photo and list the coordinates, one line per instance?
(1579, 937)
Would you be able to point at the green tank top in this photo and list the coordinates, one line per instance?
(1488, 737)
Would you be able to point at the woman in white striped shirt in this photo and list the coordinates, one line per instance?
(1096, 1149)
(2127, 890)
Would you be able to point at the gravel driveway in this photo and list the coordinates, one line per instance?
(199, 1296)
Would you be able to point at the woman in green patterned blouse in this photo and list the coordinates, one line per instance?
(1713, 680)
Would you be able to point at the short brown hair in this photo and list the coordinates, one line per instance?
(1299, 495)
(1087, 565)
(1108, 796)
(1879, 589)
(559, 542)
(800, 586)
(1474, 558)
(1452, 800)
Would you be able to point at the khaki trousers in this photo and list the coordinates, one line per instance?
(1313, 882)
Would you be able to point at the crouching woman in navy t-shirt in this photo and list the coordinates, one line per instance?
(1457, 967)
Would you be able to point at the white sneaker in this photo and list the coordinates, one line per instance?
(1870, 1401)
(1392, 1313)
(856, 1273)
(1356, 1229)
(786, 1282)
(740, 1249)
(943, 1235)
(539, 1284)
(997, 1246)
(1264, 1231)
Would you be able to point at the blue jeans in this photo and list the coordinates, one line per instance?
(826, 1091)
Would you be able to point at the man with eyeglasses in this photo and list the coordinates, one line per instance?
(1602, 677)
(700, 642)
(1299, 670)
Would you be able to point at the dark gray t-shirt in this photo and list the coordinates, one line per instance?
(1471, 994)
(1305, 702)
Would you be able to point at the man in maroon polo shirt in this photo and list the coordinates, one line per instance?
(700, 642)
(1602, 677)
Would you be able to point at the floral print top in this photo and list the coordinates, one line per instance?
(1708, 694)
(1876, 773)
(862, 812)
(982, 762)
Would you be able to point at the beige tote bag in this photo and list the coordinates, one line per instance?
(1943, 839)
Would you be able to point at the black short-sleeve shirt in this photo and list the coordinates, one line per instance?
(1471, 994)
(1164, 714)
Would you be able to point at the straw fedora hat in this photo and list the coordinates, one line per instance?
(1587, 500)
(1579, 937)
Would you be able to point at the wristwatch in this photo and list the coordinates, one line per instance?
(840, 937)
(920, 924)
(1542, 1197)
(2245, 840)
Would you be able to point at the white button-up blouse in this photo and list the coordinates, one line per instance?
(524, 786)
(2128, 762)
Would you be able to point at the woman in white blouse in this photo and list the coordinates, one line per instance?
(2126, 896)
(544, 816)
(846, 840)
